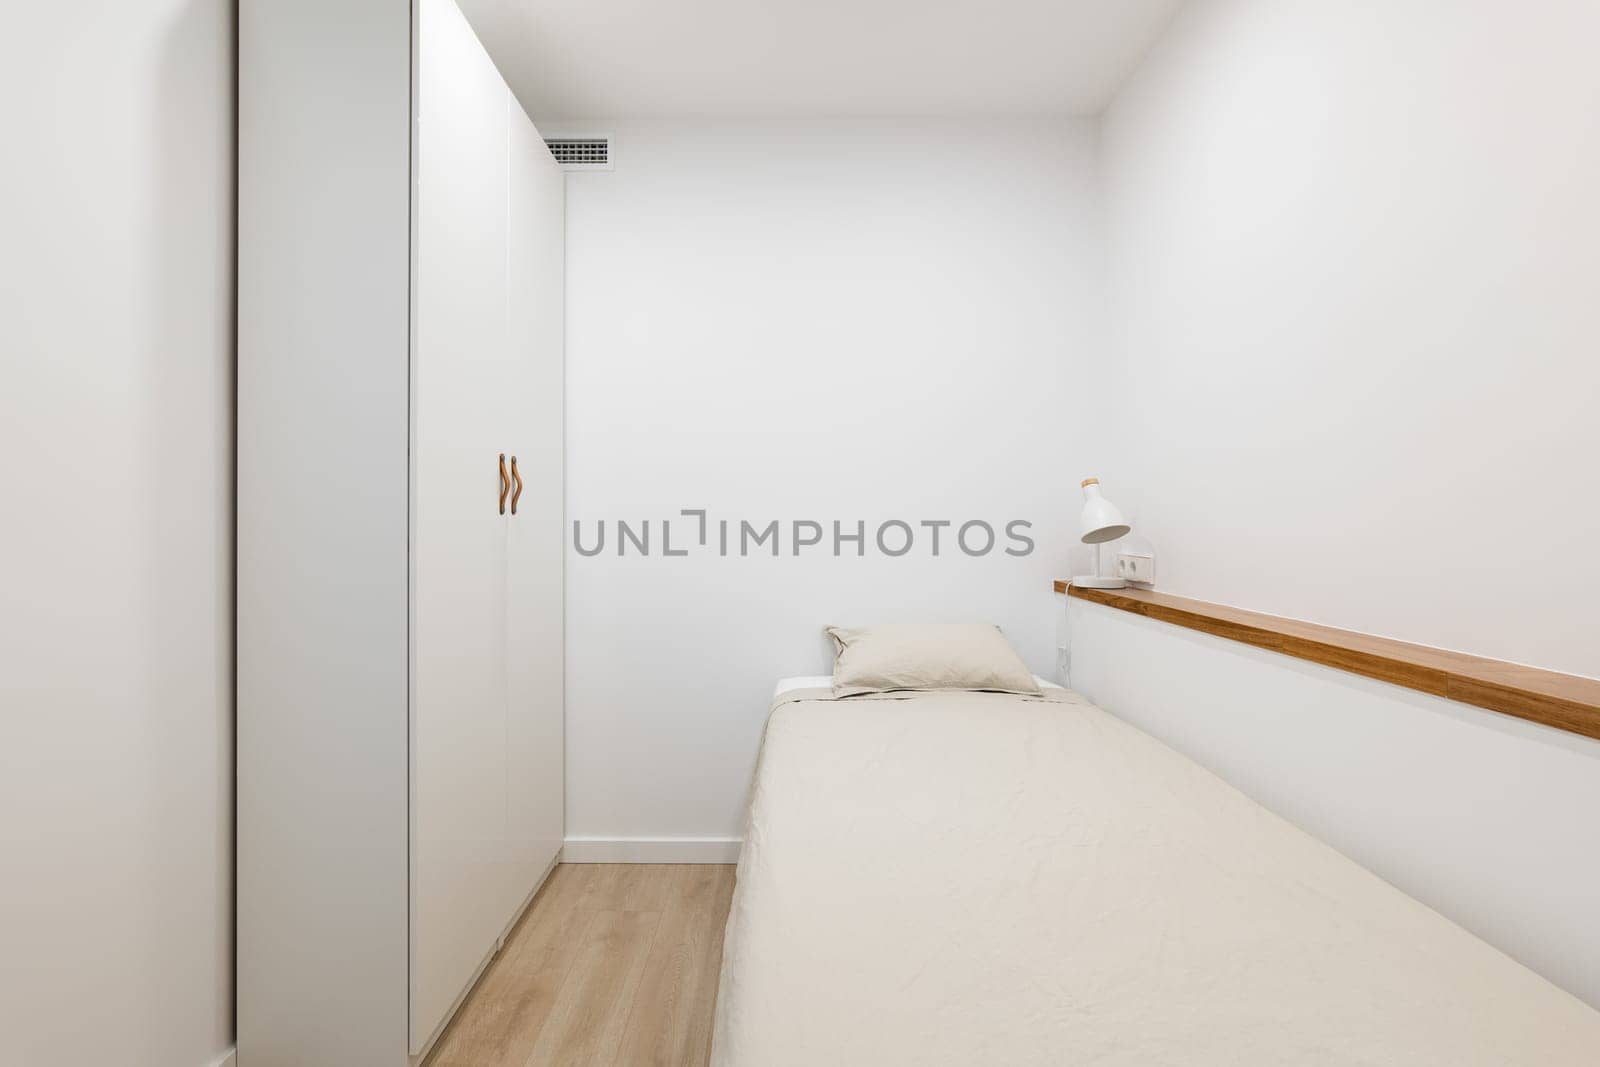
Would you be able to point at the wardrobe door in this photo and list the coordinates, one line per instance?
(459, 414)
(535, 609)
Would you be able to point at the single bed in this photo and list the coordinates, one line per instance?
(982, 878)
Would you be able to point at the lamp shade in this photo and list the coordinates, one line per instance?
(1101, 521)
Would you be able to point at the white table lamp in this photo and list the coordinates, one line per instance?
(1100, 522)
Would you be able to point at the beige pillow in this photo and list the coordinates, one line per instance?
(872, 659)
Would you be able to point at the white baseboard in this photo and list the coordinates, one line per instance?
(651, 850)
(229, 1059)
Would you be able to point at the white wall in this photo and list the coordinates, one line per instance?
(1353, 253)
(1488, 819)
(116, 357)
(793, 320)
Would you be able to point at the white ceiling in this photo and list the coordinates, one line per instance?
(586, 59)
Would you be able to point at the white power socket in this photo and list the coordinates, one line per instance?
(1136, 567)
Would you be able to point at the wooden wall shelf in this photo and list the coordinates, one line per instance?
(1564, 701)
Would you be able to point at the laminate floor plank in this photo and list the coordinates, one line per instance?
(611, 964)
(591, 1011)
(672, 1011)
(501, 1019)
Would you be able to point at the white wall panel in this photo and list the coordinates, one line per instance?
(1353, 252)
(807, 320)
(116, 556)
(1486, 818)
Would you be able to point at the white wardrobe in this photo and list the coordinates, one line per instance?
(400, 524)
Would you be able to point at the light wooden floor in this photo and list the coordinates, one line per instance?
(612, 964)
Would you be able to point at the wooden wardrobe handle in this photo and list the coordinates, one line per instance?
(505, 483)
(517, 478)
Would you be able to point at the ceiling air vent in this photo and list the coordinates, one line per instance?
(581, 153)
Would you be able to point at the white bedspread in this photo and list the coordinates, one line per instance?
(973, 879)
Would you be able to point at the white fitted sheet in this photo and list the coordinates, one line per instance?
(966, 879)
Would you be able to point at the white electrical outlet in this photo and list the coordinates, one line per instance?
(1135, 567)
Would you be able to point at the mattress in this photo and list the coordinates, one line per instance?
(978, 878)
